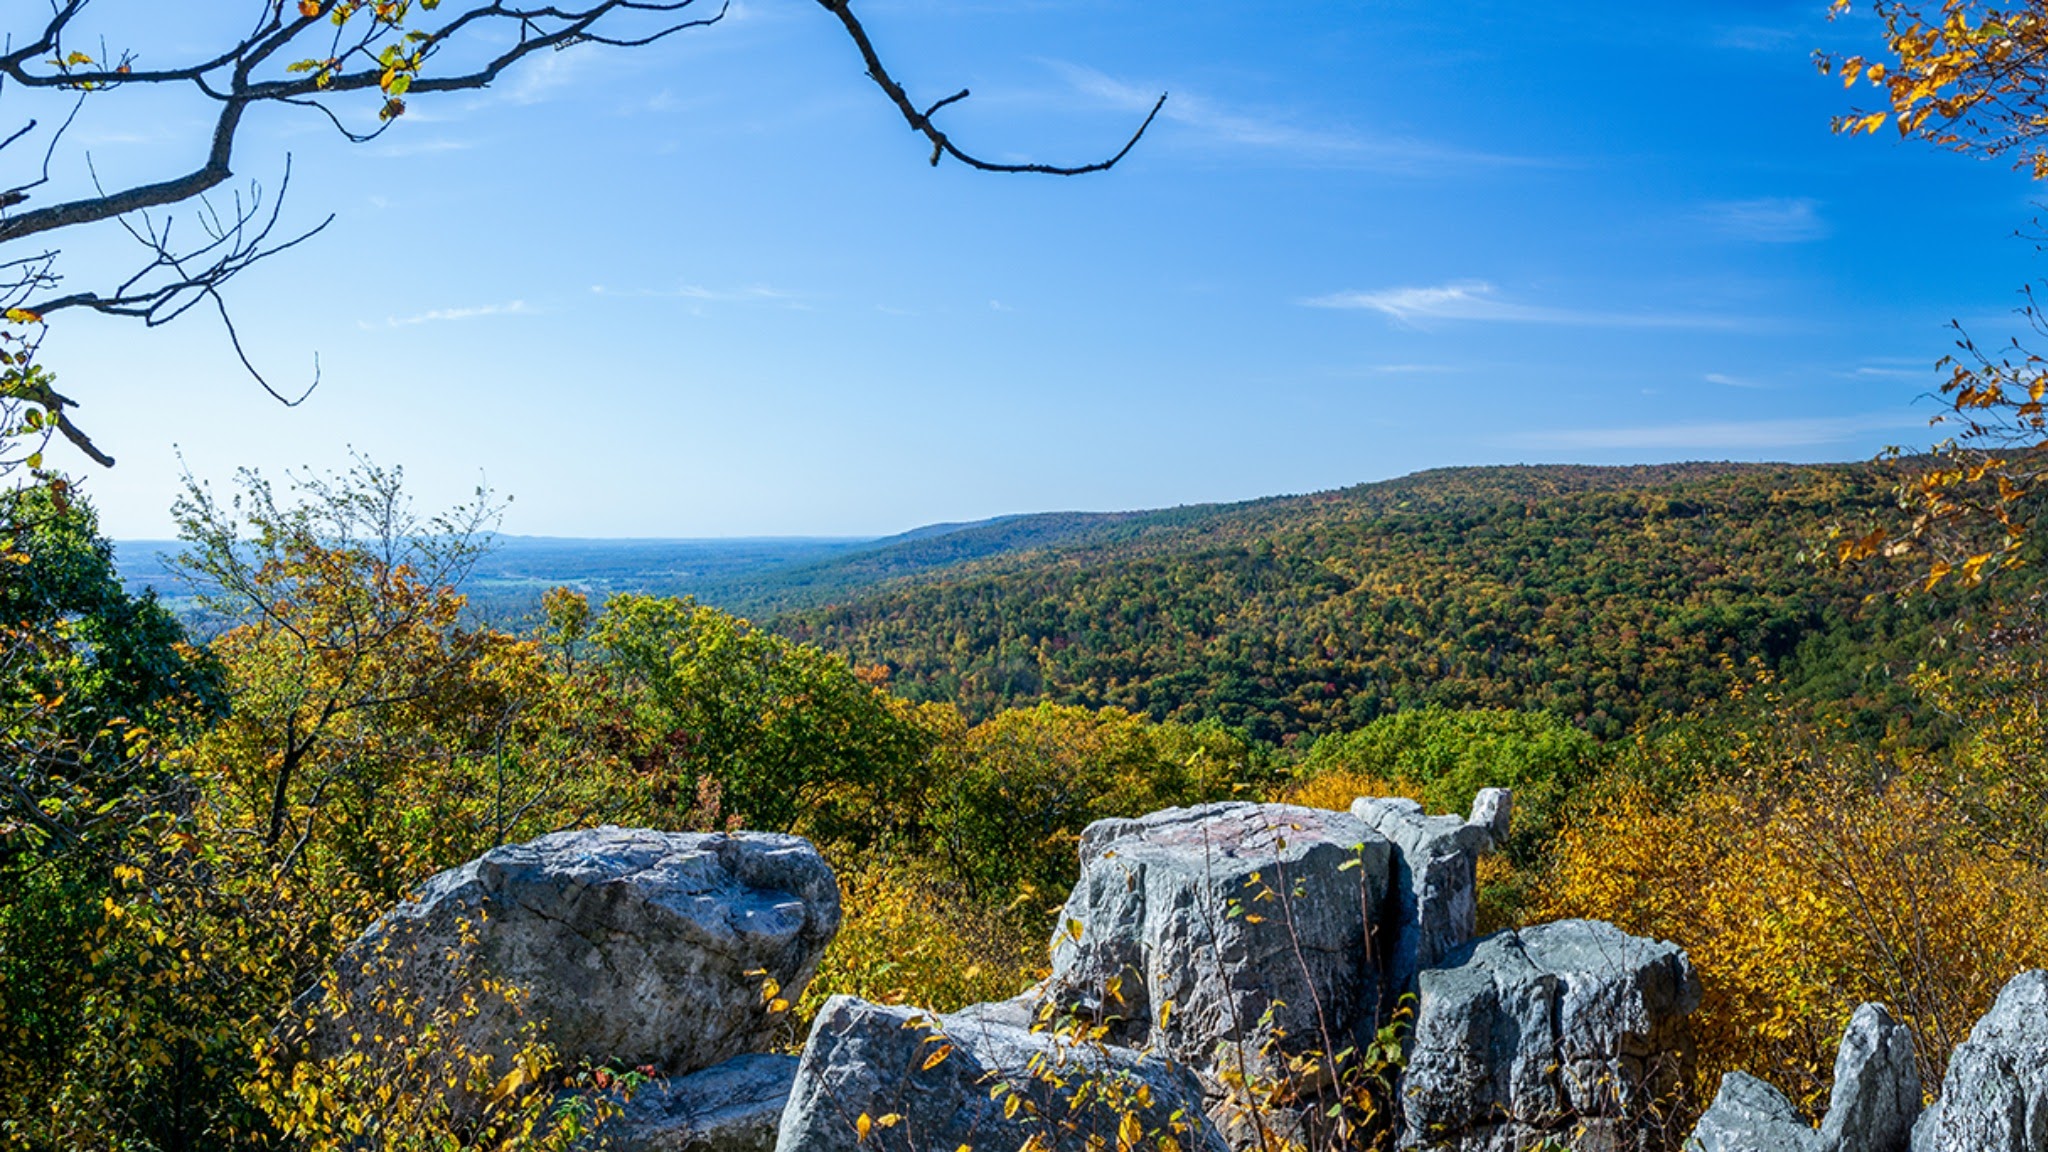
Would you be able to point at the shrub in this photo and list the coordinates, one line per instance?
(1443, 757)
(1800, 894)
(1010, 810)
(911, 938)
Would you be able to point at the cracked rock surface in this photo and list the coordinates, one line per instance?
(1256, 922)
(1876, 1096)
(1749, 1115)
(995, 1088)
(1573, 1030)
(632, 946)
(1995, 1096)
(732, 1107)
(1436, 884)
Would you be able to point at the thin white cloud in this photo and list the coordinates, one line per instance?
(1770, 220)
(539, 77)
(1896, 368)
(1757, 38)
(1477, 300)
(1717, 435)
(1727, 381)
(510, 308)
(757, 294)
(1222, 124)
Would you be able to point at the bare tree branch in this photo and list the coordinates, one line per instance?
(942, 145)
(309, 54)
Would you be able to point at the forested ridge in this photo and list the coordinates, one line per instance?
(1605, 595)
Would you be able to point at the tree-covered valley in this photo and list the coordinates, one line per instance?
(1541, 806)
(1605, 596)
(1647, 656)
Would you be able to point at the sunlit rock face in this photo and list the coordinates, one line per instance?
(878, 1078)
(1436, 876)
(1573, 1029)
(1872, 1108)
(631, 946)
(1995, 1096)
(1227, 934)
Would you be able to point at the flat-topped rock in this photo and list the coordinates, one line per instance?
(1567, 1029)
(1257, 923)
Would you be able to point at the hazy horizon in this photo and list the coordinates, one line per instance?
(712, 288)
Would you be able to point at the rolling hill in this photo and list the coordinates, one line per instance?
(1607, 595)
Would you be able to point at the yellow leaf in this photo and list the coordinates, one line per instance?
(937, 1058)
(864, 1125)
(511, 1082)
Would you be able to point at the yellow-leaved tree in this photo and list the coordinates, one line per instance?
(1973, 77)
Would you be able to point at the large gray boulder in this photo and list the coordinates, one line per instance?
(1228, 935)
(1436, 884)
(631, 946)
(1749, 1115)
(1995, 1096)
(1871, 1109)
(927, 1083)
(1573, 1030)
(731, 1107)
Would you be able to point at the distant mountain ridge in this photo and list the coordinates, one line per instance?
(1605, 594)
(1609, 595)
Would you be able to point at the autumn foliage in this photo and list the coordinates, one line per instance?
(1805, 876)
(219, 820)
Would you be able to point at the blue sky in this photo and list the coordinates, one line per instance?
(713, 288)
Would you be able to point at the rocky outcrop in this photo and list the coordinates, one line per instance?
(1226, 935)
(1436, 876)
(731, 1107)
(1871, 1109)
(1206, 967)
(887, 1079)
(631, 946)
(1573, 1030)
(1876, 1097)
(1995, 1096)
(1749, 1115)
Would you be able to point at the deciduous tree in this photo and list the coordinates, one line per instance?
(1973, 77)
